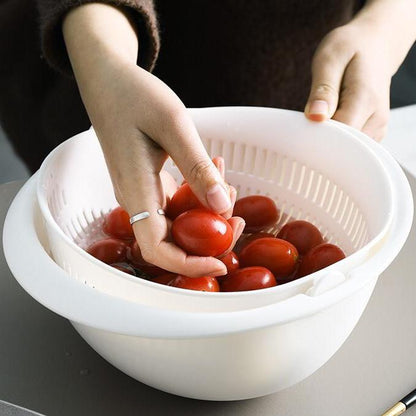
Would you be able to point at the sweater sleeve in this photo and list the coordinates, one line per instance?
(51, 13)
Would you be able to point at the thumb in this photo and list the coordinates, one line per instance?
(327, 74)
(189, 154)
(207, 184)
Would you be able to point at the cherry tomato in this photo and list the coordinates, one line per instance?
(164, 279)
(279, 256)
(123, 267)
(245, 239)
(248, 278)
(294, 275)
(302, 234)
(134, 256)
(182, 200)
(109, 250)
(231, 261)
(258, 211)
(204, 284)
(202, 233)
(117, 224)
(320, 257)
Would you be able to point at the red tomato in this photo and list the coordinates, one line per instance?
(109, 250)
(258, 211)
(202, 233)
(279, 256)
(117, 224)
(182, 200)
(126, 268)
(245, 239)
(204, 284)
(320, 257)
(164, 279)
(135, 257)
(302, 234)
(248, 278)
(231, 261)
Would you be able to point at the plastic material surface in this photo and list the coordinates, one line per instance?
(278, 153)
(259, 347)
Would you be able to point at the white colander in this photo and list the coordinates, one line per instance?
(219, 346)
(317, 172)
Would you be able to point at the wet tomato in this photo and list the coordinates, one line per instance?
(204, 284)
(248, 278)
(231, 261)
(279, 256)
(259, 212)
(182, 200)
(302, 234)
(109, 250)
(117, 224)
(202, 233)
(320, 257)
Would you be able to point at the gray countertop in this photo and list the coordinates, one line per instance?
(47, 367)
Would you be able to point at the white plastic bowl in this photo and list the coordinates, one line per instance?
(318, 172)
(214, 355)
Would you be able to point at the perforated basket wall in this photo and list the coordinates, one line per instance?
(316, 172)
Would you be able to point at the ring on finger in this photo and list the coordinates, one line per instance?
(143, 215)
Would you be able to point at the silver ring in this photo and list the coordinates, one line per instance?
(140, 216)
(143, 215)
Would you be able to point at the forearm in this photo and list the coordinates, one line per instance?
(97, 35)
(101, 45)
(394, 20)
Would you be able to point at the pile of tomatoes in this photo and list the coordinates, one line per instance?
(259, 259)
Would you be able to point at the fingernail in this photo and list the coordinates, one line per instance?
(218, 199)
(318, 108)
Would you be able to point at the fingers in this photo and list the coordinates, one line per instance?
(233, 197)
(140, 187)
(348, 85)
(184, 145)
(237, 224)
(169, 184)
(152, 234)
(170, 257)
(327, 73)
(364, 102)
(355, 106)
(376, 125)
(220, 164)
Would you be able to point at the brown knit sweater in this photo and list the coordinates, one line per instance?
(210, 52)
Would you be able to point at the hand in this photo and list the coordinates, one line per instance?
(353, 66)
(139, 122)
